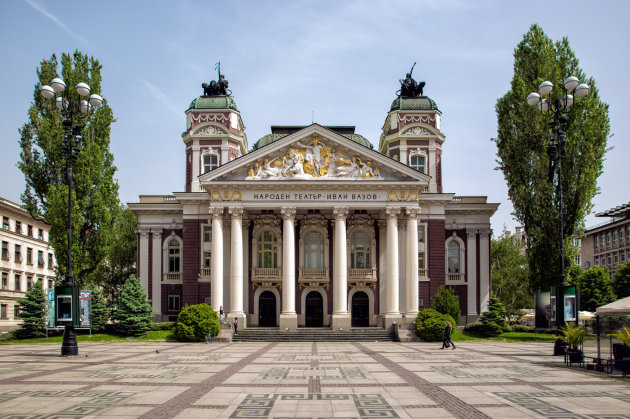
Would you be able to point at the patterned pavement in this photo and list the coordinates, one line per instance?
(303, 380)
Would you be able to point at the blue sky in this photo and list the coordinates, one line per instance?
(289, 60)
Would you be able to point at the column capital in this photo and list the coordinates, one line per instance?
(216, 212)
(288, 213)
(340, 213)
(392, 212)
(144, 233)
(236, 212)
(413, 212)
(157, 233)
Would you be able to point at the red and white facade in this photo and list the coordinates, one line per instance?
(313, 228)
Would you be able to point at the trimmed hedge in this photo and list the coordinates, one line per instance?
(430, 325)
(195, 322)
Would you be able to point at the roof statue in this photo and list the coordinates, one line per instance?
(409, 88)
(218, 87)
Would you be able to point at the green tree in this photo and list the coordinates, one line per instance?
(445, 302)
(510, 274)
(132, 316)
(100, 313)
(522, 141)
(595, 287)
(430, 325)
(43, 162)
(33, 313)
(494, 319)
(621, 283)
(120, 260)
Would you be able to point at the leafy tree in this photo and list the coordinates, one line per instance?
(522, 142)
(33, 313)
(445, 302)
(621, 283)
(100, 313)
(120, 260)
(43, 162)
(132, 316)
(430, 325)
(595, 287)
(494, 319)
(510, 274)
(195, 322)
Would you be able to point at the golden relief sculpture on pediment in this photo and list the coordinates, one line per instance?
(314, 160)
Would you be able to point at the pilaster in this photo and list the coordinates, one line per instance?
(471, 275)
(340, 316)
(392, 311)
(236, 266)
(411, 309)
(143, 249)
(288, 316)
(156, 298)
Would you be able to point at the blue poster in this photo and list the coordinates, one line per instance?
(85, 300)
(50, 308)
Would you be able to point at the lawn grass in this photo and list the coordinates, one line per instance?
(151, 336)
(505, 337)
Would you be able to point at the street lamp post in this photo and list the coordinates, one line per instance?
(556, 111)
(75, 113)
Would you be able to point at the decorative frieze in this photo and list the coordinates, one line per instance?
(417, 132)
(225, 196)
(402, 196)
(209, 130)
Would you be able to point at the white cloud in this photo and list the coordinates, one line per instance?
(158, 94)
(41, 9)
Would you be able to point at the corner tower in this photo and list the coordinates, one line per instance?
(214, 134)
(411, 133)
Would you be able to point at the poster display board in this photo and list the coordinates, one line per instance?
(543, 310)
(85, 301)
(50, 308)
(85, 310)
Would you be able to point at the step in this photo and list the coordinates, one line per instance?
(267, 334)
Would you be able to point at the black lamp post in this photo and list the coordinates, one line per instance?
(75, 113)
(556, 110)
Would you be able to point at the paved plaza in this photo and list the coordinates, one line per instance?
(303, 380)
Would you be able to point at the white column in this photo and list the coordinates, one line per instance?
(288, 316)
(216, 283)
(236, 265)
(143, 248)
(156, 280)
(245, 279)
(196, 166)
(412, 264)
(484, 269)
(471, 275)
(340, 315)
(392, 311)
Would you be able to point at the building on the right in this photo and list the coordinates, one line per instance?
(608, 244)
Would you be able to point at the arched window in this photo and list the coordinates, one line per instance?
(418, 162)
(360, 250)
(453, 258)
(267, 250)
(173, 256)
(313, 250)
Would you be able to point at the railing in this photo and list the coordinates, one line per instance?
(266, 274)
(455, 277)
(206, 272)
(172, 277)
(422, 274)
(313, 274)
(362, 274)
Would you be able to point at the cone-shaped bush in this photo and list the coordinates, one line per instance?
(494, 319)
(33, 313)
(132, 316)
(195, 322)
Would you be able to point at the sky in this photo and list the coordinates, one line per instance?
(293, 62)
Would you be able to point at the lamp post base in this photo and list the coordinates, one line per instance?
(69, 345)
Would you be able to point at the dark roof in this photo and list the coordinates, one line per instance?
(422, 103)
(619, 211)
(213, 102)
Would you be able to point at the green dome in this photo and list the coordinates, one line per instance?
(422, 103)
(213, 102)
(359, 139)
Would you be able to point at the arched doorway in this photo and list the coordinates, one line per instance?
(267, 309)
(314, 310)
(360, 309)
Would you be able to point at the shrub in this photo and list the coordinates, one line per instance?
(477, 328)
(445, 302)
(494, 318)
(133, 315)
(523, 329)
(195, 322)
(430, 325)
(162, 325)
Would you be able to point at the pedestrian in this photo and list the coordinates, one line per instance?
(447, 341)
(236, 325)
(221, 313)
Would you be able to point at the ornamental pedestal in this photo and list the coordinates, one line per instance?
(341, 321)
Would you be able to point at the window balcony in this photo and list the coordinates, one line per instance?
(313, 275)
(205, 273)
(423, 274)
(172, 278)
(266, 274)
(455, 278)
(362, 275)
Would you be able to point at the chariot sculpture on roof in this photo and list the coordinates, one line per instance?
(409, 88)
(217, 87)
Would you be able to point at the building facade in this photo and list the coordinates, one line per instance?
(312, 226)
(26, 258)
(607, 244)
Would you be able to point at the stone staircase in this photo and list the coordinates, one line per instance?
(314, 334)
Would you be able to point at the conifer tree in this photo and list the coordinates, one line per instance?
(445, 302)
(132, 316)
(494, 319)
(100, 313)
(33, 313)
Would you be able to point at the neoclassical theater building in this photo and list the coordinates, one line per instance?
(311, 226)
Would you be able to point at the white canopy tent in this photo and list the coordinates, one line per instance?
(616, 307)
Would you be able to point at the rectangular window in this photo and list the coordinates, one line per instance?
(40, 258)
(207, 234)
(421, 234)
(621, 236)
(173, 301)
(615, 238)
(3, 311)
(609, 260)
(602, 240)
(29, 283)
(207, 260)
(596, 242)
(420, 260)
(50, 284)
(16, 311)
(616, 258)
(5, 223)
(18, 227)
(18, 253)
(18, 282)
(418, 163)
(578, 260)
(608, 239)
(596, 260)
(29, 230)
(40, 234)
(29, 256)
(210, 162)
(50, 261)
(622, 257)
(5, 280)
(5, 250)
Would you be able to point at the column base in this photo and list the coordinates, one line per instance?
(242, 319)
(288, 321)
(390, 319)
(472, 317)
(410, 319)
(341, 321)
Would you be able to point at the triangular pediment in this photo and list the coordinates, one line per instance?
(315, 154)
